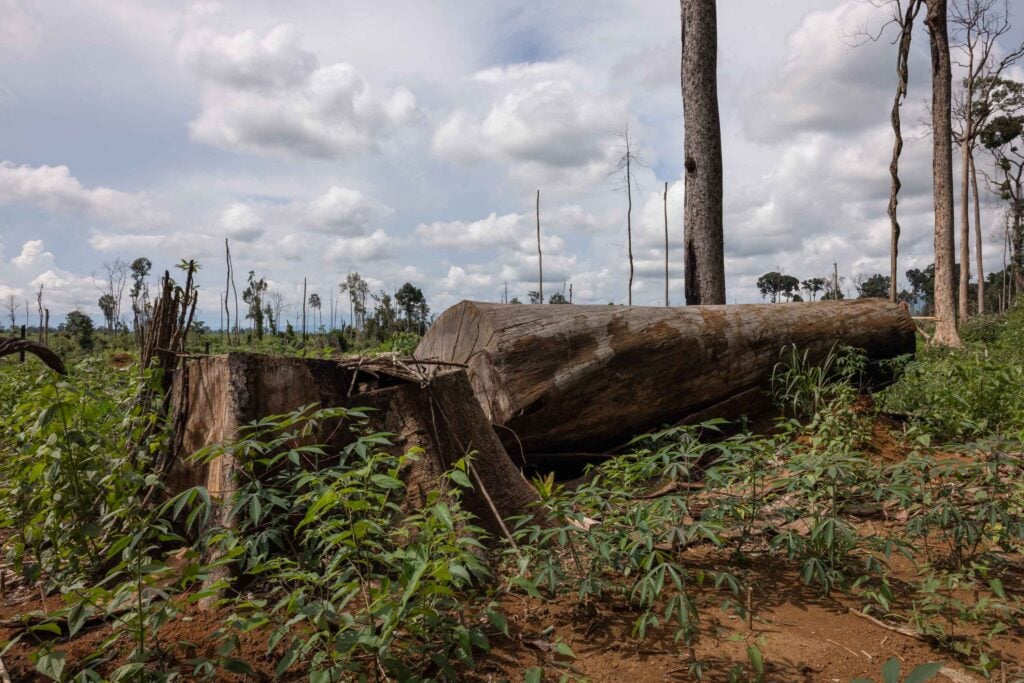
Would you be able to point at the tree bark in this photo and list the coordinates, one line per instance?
(946, 333)
(563, 379)
(540, 255)
(979, 257)
(665, 205)
(703, 241)
(215, 395)
(964, 298)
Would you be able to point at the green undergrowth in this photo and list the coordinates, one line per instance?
(322, 556)
(977, 392)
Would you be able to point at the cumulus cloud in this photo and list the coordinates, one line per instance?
(55, 189)
(377, 246)
(341, 210)
(490, 232)
(266, 94)
(241, 222)
(541, 122)
(829, 81)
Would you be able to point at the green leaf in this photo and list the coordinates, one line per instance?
(498, 620)
(756, 660)
(460, 478)
(47, 627)
(238, 666)
(534, 674)
(287, 659)
(76, 619)
(529, 586)
(891, 671)
(924, 672)
(997, 587)
(564, 650)
(51, 665)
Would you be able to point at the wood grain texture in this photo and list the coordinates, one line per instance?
(582, 378)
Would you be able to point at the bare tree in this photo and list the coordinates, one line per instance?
(665, 204)
(275, 300)
(11, 304)
(903, 15)
(540, 255)
(39, 303)
(112, 292)
(624, 170)
(946, 333)
(977, 26)
(704, 251)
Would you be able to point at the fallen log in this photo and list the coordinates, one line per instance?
(9, 347)
(215, 395)
(585, 378)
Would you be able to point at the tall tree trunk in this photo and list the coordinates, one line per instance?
(665, 203)
(963, 300)
(942, 171)
(540, 255)
(967, 154)
(979, 257)
(704, 251)
(629, 220)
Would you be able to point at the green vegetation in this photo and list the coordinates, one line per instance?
(319, 557)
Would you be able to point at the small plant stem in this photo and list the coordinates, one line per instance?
(750, 608)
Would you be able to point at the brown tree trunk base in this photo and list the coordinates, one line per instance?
(216, 395)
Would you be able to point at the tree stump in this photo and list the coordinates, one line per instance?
(215, 395)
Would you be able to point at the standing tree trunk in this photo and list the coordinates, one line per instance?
(540, 255)
(963, 300)
(704, 251)
(979, 258)
(665, 202)
(629, 219)
(942, 171)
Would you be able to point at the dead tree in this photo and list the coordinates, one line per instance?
(665, 204)
(39, 303)
(540, 255)
(625, 167)
(704, 250)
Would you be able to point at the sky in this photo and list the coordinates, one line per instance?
(406, 140)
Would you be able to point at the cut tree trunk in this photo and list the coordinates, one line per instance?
(215, 395)
(558, 379)
(10, 346)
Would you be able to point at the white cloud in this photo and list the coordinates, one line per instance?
(551, 129)
(55, 189)
(490, 232)
(31, 254)
(266, 94)
(341, 210)
(377, 246)
(829, 81)
(241, 222)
